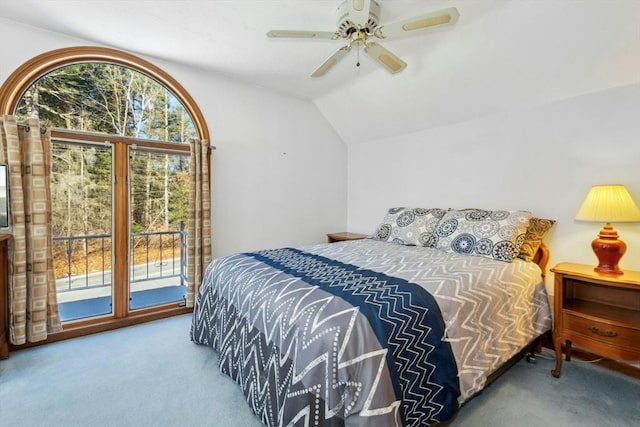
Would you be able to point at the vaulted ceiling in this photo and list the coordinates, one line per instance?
(500, 56)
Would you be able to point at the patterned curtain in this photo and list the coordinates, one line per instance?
(33, 306)
(199, 226)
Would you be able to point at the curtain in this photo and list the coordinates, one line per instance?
(199, 222)
(33, 306)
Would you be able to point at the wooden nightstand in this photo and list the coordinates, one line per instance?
(596, 311)
(345, 235)
(4, 297)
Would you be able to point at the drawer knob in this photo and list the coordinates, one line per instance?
(608, 334)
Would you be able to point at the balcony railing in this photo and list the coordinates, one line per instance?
(87, 259)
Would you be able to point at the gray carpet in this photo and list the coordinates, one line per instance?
(152, 375)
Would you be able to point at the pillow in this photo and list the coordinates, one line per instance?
(491, 234)
(409, 226)
(538, 228)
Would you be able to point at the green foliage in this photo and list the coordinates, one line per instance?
(108, 98)
(115, 100)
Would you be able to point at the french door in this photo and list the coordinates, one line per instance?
(158, 201)
(119, 225)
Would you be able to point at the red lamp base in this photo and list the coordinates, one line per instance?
(608, 249)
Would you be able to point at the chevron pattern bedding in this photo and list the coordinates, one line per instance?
(365, 332)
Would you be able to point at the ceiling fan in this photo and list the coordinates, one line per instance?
(359, 21)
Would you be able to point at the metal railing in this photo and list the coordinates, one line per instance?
(154, 256)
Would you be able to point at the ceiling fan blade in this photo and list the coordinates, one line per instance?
(388, 60)
(301, 34)
(359, 11)
(419, 24)
(329, 63)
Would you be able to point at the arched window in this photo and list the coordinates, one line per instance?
(18, 83)
(120, 160)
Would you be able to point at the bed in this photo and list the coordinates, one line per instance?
(368, 332)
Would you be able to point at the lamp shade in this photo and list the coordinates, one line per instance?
(608, 203)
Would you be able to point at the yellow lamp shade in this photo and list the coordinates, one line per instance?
(608, 203)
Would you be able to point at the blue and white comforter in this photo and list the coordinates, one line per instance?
(365, 332)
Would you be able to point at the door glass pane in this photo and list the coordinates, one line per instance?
(81, 182)
(159, 200)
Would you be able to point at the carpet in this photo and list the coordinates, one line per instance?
(153, 375)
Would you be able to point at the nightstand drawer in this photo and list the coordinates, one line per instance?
(603, 332)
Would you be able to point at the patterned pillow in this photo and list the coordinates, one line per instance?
(491, 234)
(410, 226)
(538, 228)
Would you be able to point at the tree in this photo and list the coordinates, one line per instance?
(114, 100)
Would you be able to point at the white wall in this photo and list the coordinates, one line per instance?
(279, 171)
(543, 159)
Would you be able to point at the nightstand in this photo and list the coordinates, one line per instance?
(345, 235)
(4, 297)
(596, 311)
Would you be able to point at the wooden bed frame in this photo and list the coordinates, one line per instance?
(542, 258)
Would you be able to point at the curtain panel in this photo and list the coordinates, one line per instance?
(33, 307)
(199, 222)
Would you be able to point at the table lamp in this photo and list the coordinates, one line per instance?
(608, 203)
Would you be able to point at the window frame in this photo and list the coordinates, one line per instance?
(28, 73)
(11, 93)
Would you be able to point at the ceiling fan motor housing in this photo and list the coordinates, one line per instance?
(346, 27)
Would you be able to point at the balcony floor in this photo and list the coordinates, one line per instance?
(98, 306)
